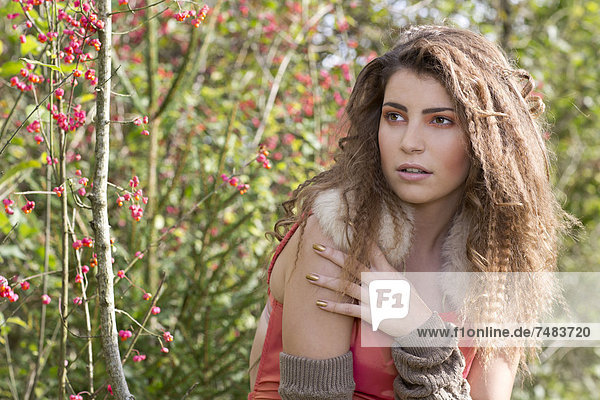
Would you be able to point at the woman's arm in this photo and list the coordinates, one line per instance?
(257, 346)
(307, 331)
(315, 360)
(496, 381)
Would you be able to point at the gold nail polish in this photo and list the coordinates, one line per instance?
(312, 277)
(318, 247)
(321, 303)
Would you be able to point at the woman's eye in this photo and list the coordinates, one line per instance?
(393, 116)
(439, 120)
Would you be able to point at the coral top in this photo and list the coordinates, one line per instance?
(373, 367)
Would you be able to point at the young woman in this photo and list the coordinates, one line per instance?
(443, 168)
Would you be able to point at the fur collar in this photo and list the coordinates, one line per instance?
(330, 211)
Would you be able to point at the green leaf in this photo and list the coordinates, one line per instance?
(17, 321)
(87, 97)
(22, 166)
(52, 67)
(10, 68)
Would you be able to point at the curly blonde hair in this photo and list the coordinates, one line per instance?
(517, 220)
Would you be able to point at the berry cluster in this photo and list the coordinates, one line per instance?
(139, 121)
(6, 291)
(8, 203)
(85, 242)
(195, 18)
(28, 207)
(261, 158)
(68, 123)
(31, 79)
(235, 181)
(136, 209)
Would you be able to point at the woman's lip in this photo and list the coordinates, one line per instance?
(414, 166)
(412, 176)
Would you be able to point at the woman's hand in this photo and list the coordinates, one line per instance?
(418, 311)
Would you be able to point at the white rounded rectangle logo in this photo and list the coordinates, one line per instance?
(389, 299)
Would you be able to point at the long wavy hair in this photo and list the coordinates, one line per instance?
(517, 220)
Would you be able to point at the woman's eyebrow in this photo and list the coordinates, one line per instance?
(437, 110)
(425, 111)
(395, 105)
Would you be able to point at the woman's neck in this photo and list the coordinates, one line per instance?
(431, 225)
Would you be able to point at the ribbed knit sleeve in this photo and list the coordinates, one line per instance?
(429, 373)
(308, 379)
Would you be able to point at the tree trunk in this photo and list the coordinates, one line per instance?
(98, 197)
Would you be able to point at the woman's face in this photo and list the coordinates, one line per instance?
(423, 149)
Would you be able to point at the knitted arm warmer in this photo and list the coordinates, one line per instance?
(308, 379)
(429, 373)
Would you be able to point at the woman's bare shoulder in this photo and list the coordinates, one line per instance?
(300, 246)
(307, 330)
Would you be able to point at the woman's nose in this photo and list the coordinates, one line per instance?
(412, 139)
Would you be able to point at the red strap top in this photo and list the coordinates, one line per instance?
(373, 368)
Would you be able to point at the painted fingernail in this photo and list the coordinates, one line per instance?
(312, 277)
(318, 247)
(321, 303)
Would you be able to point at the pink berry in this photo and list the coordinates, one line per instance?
(124, 334)
(164, 350)
(147, 296)
(167, 336)
(46, 299)
(155, 310)
(28, 207)
(25, 285)
(121, 274)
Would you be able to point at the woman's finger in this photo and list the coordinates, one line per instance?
(351, 310)
(340, 286)
(337, 257)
